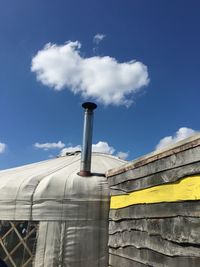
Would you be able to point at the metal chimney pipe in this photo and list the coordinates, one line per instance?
(86, 153)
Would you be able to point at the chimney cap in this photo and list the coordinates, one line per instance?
(89, 105)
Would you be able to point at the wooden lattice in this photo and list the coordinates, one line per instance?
(18, 242)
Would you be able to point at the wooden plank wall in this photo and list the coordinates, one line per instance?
(155, 209)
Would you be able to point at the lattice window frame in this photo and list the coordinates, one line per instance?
(9, 254)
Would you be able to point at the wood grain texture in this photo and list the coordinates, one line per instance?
(158, 210)
(156, 219)
(167, 163)
(118, 261)
(187, 188)
(163, 177)
(141, 239)
(153, 258)
(187, 144)
(184, 230)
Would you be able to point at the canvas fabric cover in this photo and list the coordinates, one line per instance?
(72, 210)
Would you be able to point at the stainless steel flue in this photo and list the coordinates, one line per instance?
(86, 154)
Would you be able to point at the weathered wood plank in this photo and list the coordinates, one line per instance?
(187, 188)
(179, 229)
(158, 210)
(169, 176)
(161, 233)
(155, 259)
(117, 192)
(141, 239)
(173, 161)
(118, 261)
(189, 143)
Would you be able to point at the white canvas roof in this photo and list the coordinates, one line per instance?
(52, 190)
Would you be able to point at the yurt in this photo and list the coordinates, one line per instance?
(55, 213)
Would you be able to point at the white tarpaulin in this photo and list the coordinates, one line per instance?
(72, 210)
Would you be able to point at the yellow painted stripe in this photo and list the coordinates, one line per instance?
(185, 189)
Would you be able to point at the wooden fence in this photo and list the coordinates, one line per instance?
(155, 209)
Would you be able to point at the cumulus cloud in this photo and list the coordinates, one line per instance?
(47, 146)
(98, 38)
(181, 134)
(122, 155)
(101, 147)
(103, 79)
(2, 148)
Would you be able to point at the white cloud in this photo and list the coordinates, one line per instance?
(2, 147)
(103, 79)
(181, 134)
(101, 147)
(122, 155)
(98, 38)
(47, 146)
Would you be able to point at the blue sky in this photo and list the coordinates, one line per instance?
(163, 37)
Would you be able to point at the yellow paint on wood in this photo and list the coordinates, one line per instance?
(186, 189)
